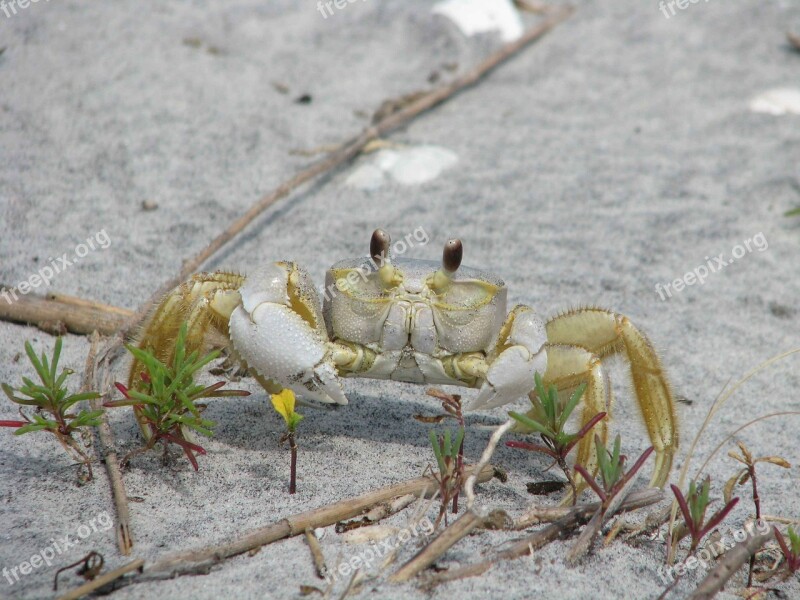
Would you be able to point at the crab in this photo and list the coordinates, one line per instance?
(415, 321)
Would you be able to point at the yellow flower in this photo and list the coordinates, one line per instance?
(283, 403)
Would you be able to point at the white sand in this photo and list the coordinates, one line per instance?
(615, 155)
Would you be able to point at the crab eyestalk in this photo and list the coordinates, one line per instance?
(452, 255)
(379, 247)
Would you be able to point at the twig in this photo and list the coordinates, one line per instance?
(734, 559)
(102, 580)
(343, 154)
(107, 452)
(469, 488)
(57, 313)
(576, 516)
(459, 529)
(316, 553)
(297, 524)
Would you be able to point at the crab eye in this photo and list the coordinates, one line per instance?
(379, 246)
(452, 255)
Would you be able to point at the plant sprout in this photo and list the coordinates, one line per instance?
(451, 470)
(52, 404)
(694, 506)
(166, 403)
(548, 418)
(283, 403)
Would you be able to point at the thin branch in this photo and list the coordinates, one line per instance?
(459, 529)
(316, 553)
(297, 524)
(342, 155)
(733, 560)
(469, 488)
(107, 452)
(58, 313)
(576, 516)
(102, 580)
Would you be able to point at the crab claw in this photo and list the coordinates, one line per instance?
(518, 354)
(279, 332)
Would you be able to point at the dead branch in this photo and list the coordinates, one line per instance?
(107, 452)
(102, 580)
(57, 314)
(297, 524)
(575, 516)
(342, 155)
(316, 553)
(733, 560)
(459, 529)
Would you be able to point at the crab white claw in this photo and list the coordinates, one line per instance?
(279, 332)
(510, 375)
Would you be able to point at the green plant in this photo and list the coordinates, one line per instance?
(53, 404)
(693, 507)
(745, 474)
(451, 470)
(616, 482)
(548, 418)
(167, 403)
(611, 468)
(791, 551)
(284, 403)
(451, 404)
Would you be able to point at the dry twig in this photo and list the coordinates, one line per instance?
(575, 516)
(57, 314)
(733, 560)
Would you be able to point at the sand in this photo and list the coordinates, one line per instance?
(617, 154)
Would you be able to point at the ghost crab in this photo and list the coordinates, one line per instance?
(415, 321)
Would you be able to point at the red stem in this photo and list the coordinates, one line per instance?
(293, 475)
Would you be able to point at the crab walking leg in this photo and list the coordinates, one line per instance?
(568, 367)
(604, 333)
(189, 302)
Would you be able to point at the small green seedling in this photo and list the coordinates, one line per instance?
(611, 468)
(167, 403)
(693, 508)
(616, 482)
(451, 470)
(451, 404)
(745, 474)
(791, 550)
(53, 404)
(548, 418)
(284, 403)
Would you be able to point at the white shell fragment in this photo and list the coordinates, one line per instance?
(781, 101)
(481, 16)
(407, 166)
(371, 533)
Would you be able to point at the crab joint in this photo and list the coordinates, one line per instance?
(352, 357)
(470, 367)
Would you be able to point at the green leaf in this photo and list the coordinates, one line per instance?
(531, 424)
(571, 404)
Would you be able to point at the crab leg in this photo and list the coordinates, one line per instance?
(604, 333)
(568, 367)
